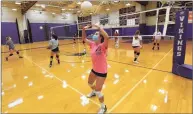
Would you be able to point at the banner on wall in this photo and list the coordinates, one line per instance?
(180, 37)
(190, 16)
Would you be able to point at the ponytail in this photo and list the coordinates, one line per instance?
(55, 37)
(136, 34)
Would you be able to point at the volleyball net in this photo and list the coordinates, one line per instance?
(126, 23)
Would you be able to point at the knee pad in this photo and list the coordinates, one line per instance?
(157, 44)
(51, 57)
(57, 56)
(10, 54)
(138, 53)
(99, 94)
(17, 52)
(154, 43)
(135, 52)
(91, 85)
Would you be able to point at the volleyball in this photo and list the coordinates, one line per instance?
(86, 6)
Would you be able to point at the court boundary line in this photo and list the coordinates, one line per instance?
(68, 85)
(36, 48)
(136, 85)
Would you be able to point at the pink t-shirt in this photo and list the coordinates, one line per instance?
(98, 55)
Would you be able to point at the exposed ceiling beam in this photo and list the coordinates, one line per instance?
(26, 6)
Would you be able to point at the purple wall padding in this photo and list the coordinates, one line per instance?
(120, 31)
(58, 31)
(129, 31)
(9, 29)
(189, 31)
(37, 33)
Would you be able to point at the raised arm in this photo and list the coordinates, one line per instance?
(84, 34)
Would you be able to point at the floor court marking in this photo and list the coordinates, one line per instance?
(60, 80)
(131, 90)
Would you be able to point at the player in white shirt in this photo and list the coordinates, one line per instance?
(156, 39)
(137, 45)
(116, 39)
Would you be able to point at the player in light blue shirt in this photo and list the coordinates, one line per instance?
(53, 46)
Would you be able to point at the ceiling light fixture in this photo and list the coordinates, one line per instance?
(43, 6)
(63, 9)
(17, 3)
(53, 13)
(107, 9)
(79, 3)
(116, 1)
(128, 4)
(14, 9)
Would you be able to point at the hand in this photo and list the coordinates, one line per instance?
(86, 27)
(95, 25)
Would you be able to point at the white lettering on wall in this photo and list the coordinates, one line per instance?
(180, 42)
(180, 36)
(178, 53)
(182, 18)
(179, 48)
(181, 24)
(181, 31)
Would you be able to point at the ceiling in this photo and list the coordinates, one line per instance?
(59, 7)
(72, 6)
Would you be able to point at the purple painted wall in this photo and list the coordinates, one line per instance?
(37, 33)
(189, 31)
(129, 31)
(9, 29)
(58, 31)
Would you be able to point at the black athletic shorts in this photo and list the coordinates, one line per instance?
(11, 48)
(100, 74)
(55, 50)
(135, 46)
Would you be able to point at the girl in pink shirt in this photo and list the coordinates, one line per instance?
(98, 50)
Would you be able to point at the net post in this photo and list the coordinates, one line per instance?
(166, 20)
(157, 16)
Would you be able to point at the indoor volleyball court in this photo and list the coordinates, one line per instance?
(160, 81)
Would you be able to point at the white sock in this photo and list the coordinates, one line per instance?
(102, 105)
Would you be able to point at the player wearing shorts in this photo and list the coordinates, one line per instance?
(74, 38)
(116, 39)
(156, 39)
(137, 45)
(84, 51)
(53, 46)
(11, 46)
(98, 48)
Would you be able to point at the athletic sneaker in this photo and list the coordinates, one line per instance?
(136, 62)
(6, 58)
(92, 94)
(58, 61)
(158, 48)
(102, 110)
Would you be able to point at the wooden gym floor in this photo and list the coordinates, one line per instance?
(30, 86)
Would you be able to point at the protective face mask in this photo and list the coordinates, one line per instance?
(95, 37)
